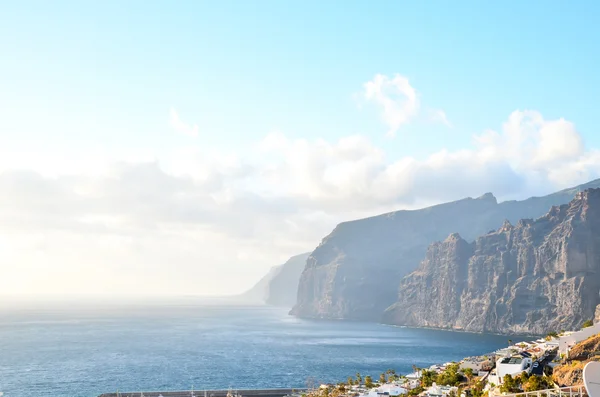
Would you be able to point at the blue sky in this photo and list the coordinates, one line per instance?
(98, 100)
(105, 72)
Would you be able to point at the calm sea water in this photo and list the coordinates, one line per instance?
(86, 349)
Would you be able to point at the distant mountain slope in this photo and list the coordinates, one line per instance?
(355, 272)
(282, 290)
(260, 291)
(279, 286)
(538, 276)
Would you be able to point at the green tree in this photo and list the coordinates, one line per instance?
(477, 389)
(551, 335)
(369, 382)
(359, 379)
(416, 391)
(468, 374)
(450, 376)
(350, 381)
(535, 382)
(510, 342)
(509, 385)
(587, 323)
(428, 377)
(382, 378)
(392, 376)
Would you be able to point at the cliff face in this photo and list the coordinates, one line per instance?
(283, 287)
(259, 292)
(280, 285)
(535, 277)
(355, 272)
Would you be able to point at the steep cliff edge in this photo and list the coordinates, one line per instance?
(283, 287)
(280, 285)
(355, 272)
(538, 276)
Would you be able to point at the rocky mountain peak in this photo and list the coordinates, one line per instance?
(506, 226)
(539, 276)
(453, 237)
(488, 197)
(375, 253)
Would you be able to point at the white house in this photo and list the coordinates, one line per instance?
(388, 389)
(440, 391)
(411, 383)
(414, 375)
(512, 366)
(565, 342)
(476, 364)
(493, 378)
(507, 351)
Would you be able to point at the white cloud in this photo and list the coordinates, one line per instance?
(195, 217)
(397, 98)
(399, 102)
(180, 126)
(439, 116)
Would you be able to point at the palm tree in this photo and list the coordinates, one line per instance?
(382, 378)
(510, 342)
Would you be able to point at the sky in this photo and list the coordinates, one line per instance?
(185, 147)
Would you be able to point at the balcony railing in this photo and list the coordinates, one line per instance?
(571, 391)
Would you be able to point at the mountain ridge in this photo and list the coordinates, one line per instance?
(279, 286)
(534, 277)
(355, 271)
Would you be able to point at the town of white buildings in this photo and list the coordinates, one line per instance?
(531, 357)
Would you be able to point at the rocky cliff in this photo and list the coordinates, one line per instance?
(355, 272)
(259, 292)
(537, 276)
(280, 285)
(283, 287)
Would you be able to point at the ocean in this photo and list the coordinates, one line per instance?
(84, 349)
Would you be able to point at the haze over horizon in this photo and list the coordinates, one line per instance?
(185, 148)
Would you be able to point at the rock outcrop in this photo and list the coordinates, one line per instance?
(537, 276)
(355, 272)
(280, 285)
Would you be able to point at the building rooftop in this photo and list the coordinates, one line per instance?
(511, 360)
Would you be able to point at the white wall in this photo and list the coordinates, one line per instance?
(566, 342)
(512, 369)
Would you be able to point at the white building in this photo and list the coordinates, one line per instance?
(411, 383)
(440, 391)
(414, 375)
(388, 389)
(512, 366)
(477, 364)
(507, 351)
(493, 378)
(565, 342)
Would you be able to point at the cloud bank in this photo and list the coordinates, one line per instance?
(196, 220)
